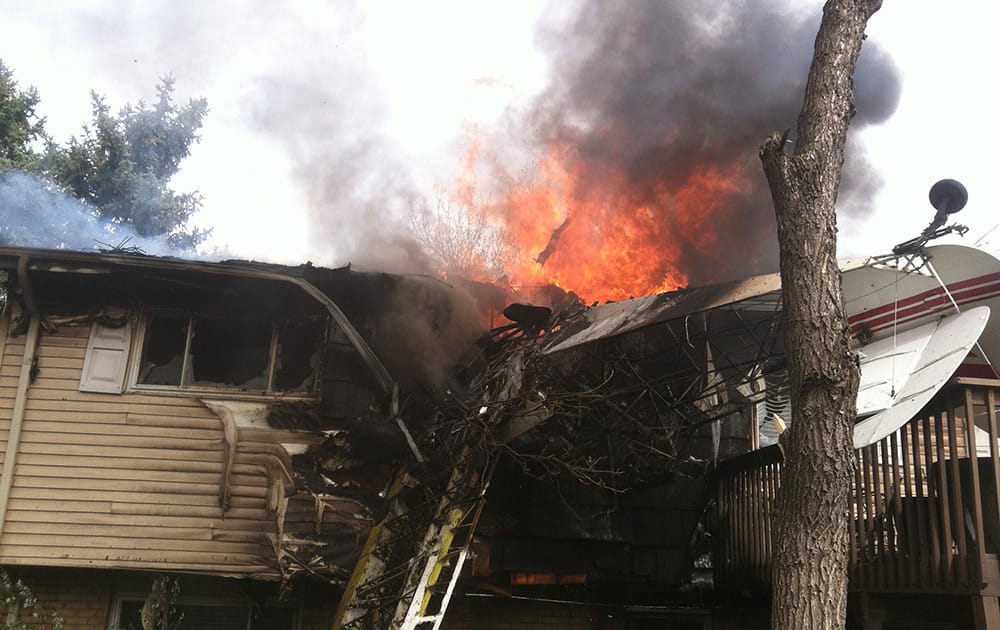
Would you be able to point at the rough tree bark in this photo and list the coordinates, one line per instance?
(811, 542)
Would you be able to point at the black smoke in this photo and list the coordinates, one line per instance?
(655, 88)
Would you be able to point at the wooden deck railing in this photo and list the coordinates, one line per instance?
(923, 507)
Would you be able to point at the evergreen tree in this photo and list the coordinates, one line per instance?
(20, 126)
(122, 165)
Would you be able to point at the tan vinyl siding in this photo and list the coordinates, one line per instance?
(126, 480)
(10, 368)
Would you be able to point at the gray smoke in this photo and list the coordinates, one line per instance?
(35, 213)
(327, 117)
(654, 89)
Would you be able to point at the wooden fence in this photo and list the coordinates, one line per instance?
(923, 507)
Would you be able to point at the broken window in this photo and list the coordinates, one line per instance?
(229, 353)
(164, 349)
(212, 351)
(296, 357)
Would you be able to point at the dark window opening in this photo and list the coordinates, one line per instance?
(212, 617)
(674, 622)
(203, 351)
(230, 353)
(275, 617)
(163, 354)
(298, 355)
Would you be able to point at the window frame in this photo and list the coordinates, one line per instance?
(231, 601)
(220, 391)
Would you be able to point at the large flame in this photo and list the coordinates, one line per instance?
(593, 228)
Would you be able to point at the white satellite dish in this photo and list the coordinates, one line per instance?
(897, 381)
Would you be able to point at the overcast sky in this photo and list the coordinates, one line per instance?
(319, 103)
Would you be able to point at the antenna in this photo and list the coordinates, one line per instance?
(947, 196)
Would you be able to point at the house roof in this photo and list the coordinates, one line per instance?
(102, 262)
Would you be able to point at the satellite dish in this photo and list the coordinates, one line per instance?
(899, 378)
(948, 196)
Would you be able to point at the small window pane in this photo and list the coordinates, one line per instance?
(273, 618)
(130, 615)
(298, 355)
(163, 351)
(209, 617)
(230, 352)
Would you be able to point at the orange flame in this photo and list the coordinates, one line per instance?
(600, 237)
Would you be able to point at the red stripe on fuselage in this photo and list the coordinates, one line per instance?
(919, 297)
(927, 303)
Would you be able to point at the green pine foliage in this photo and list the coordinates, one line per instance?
(122, 165)
(117, 171)
(20, 125)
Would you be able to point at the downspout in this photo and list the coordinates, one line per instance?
(21, 397)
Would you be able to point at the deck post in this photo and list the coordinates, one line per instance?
(985, 612)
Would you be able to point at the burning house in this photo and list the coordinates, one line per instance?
(305, 447)
(296, 447)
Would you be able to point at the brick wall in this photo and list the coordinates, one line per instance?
(81, 597)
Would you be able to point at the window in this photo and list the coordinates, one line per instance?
(209, 614)
(203, 351)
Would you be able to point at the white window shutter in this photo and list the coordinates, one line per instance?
(106, 360)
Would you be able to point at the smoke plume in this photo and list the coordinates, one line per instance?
(358, 189)
(646, 133)
(655, 111)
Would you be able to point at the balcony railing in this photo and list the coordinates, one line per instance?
(923, 504)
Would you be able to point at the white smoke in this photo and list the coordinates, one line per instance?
(34, 212)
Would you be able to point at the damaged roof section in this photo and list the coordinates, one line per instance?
(633, 382)
(617, 318)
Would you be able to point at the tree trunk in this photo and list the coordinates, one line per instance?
(809, 573)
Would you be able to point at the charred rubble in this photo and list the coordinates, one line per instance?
(598, 426)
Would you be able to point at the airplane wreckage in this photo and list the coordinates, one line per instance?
(300, 423)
